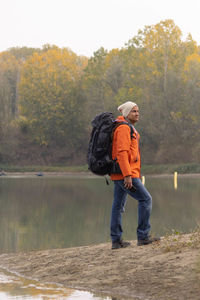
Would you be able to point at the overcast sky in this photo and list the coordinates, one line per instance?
(86, 25)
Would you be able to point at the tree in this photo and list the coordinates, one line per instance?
(9, 76)
(50, 104)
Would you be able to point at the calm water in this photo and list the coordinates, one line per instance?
(57, 212)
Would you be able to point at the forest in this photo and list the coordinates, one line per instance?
(49, 96)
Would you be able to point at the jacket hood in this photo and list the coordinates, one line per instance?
(120, 119)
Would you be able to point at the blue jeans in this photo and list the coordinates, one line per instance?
(144, 209)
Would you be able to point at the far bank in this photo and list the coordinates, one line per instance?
(190, 168)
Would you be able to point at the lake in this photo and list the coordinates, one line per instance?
(38, 213)
(46, 212)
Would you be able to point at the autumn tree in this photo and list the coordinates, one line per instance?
(50, 101)
(9, 72)
(54, 94)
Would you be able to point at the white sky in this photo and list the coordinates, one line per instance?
(86, 25)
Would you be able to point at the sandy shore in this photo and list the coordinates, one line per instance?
(167, 270)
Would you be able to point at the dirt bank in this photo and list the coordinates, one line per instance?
(167, 270)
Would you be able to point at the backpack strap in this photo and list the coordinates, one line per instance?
(117, 124)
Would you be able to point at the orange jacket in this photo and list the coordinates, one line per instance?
(126, 151)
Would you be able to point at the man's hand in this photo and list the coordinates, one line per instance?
(128, 182)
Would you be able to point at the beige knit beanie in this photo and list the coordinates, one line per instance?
(126, 107)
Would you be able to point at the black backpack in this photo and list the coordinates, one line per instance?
(99, 155)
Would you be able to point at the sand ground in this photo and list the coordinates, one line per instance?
(167, 270)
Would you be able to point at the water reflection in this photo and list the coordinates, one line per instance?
(57, 212)
(15, 287)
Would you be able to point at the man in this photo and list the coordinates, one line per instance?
(125, 149)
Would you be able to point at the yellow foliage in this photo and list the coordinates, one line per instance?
(195, 57)
(46, 83)
(192, 69)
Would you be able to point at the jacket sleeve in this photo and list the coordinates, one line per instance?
(123, 144)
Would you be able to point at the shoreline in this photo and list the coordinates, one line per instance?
(169, 269)
(86, 174)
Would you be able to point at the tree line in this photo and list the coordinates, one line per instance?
(49, 96)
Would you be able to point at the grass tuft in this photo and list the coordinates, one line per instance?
(176, 242)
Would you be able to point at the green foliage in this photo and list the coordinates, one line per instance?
(41, 168)
(171, 168)
(51, 95)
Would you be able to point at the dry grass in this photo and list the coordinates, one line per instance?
(178, 241)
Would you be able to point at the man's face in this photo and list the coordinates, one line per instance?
(133, 116)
